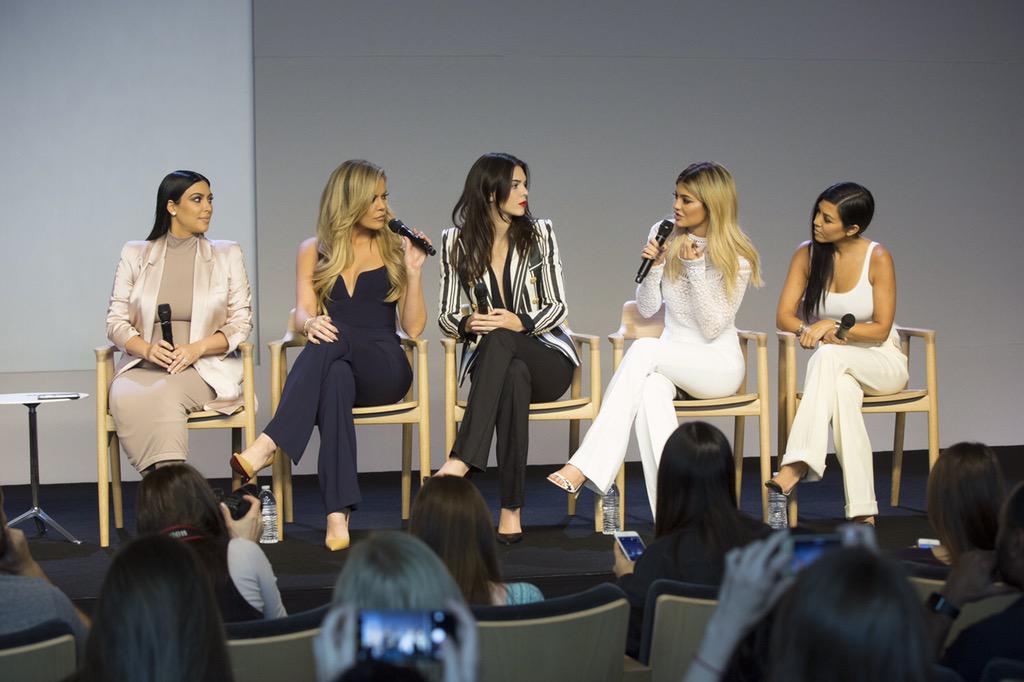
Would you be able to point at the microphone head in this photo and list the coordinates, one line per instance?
(397, 226)
(847, 321)
(163, 311)
(664, 230)
(480, 291)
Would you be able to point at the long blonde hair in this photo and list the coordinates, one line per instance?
(713, 186)
(346, 197)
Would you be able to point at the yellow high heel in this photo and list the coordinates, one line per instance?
(241, 467)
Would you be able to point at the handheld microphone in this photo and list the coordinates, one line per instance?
(844, 326)
(163, 311)
(483, 298)
(664, 230)
(402, 230)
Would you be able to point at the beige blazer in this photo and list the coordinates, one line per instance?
(221, 301)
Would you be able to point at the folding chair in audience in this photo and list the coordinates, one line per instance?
(44, 653)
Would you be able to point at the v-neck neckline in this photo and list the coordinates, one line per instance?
(355, 285)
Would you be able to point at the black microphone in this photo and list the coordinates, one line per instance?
(401, 229)
(664, 230)
(163, 311)
(483, 298)
(844, 326)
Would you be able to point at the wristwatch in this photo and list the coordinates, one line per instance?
(939, 604)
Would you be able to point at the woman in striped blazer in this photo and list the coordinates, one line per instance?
(518, 351)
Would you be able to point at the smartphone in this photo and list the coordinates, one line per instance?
(807, 548)
(400, 637)
(631, 544)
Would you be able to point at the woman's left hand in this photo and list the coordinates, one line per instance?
(830, 337)
(184, 357)
(414, 255)
(498, 318)
(250, 526)
(690, 250)
(622, 565)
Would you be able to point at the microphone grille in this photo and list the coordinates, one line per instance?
(848, 320)
(395, 225)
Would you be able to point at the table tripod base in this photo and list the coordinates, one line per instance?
(43, 519)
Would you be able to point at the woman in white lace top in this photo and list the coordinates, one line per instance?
(699, 275)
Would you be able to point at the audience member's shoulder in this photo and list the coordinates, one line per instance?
(523, 593)
(756, 527)
(244, 549)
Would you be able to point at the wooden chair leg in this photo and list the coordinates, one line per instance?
(289, 510)
(277, 487)
(737, 454)
(102, 485)
(574, 445)
(764, 427)
(424, 429)
(115, 480)
(791, 510)
(236, 446)
(406, 469)
(897, 458)
(620, 480)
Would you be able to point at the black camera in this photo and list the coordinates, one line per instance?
(236, 502)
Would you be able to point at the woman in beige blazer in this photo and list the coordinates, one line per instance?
(157, 384)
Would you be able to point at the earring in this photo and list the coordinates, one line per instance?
(174, 214)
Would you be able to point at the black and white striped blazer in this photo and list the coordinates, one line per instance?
(537, 296)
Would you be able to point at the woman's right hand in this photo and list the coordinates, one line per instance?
(814, 333)
(319, 329)
(159, 353)
(654, 252)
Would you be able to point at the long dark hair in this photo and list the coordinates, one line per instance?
(177, 496)
(856, 206)
(697, 487)
(491, 174)
(450, 515)
(154, 621)
(965, 493)
(851, 616)
(172, 187)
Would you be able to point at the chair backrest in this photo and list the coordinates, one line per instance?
(579, 637)
(44, 653)
(970, 613)
(274, 658)
(297, 622)
(1002, 669)
(633, 325)
(675, 616)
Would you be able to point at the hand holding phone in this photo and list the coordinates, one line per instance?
(402, 637)
(631, 544)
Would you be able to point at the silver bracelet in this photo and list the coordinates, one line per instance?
(305, 325)
(801, 329)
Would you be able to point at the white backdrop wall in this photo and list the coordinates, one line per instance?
(101, 100)
(607, 101)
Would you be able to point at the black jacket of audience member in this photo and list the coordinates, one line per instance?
(997, 636)
(683, 556)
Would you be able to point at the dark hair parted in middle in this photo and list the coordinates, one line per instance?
(451, 517)
(489, 182)
(856, 206)
(965, 493)
(697, 487)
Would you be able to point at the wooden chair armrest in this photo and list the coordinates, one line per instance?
(927, 334)
(104, 353)
(758, 337)
(588, 339)
(786, 338)
(411, 343)
(448, 344)
(246, 349)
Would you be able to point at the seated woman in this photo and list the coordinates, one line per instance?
(154, 620)
(851, 615)
(157, 384)
(700, 276)
(176, 500)
(965, 493)
(450, 515)
(519, 351)
(353, 280)
(839, 272)
(697, 520)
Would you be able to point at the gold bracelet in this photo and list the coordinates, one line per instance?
(305, 325)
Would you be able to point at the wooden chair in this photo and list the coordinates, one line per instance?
(741, 405)
(675, 616)
(413, 410)
(908, 400)
(108, 458)
(579, 637)
(574, 409)
(44, 653)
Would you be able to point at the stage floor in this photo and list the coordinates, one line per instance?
(561, 554)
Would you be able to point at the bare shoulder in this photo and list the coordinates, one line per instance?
(881, 256)
(802, 254)
(307, 249)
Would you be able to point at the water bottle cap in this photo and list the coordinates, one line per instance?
(264, 487)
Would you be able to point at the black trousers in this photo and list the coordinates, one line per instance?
(511, 371)
(362, 368)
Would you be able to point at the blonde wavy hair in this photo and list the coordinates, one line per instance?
(346, 197)
(714, 187)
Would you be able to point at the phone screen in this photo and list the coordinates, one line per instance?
(807, 548)
(632, 546)
(400, 636)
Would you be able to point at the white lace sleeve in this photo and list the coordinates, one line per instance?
(711, 307)
(648, 292)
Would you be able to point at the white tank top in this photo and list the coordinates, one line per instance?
(859, 300)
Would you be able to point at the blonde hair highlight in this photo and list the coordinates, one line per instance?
(346, 198)
(714, 187)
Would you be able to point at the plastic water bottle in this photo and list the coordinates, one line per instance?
(268, 511)
(610, 511)
(778, 514)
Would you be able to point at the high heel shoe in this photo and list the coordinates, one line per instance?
(775, 487)
(509, 538)
(558, 480)
(241, 467)
(337, 544)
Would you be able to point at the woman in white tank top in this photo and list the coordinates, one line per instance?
(838, 272)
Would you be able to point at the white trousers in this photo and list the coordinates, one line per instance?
(837, 379)
(643, 389)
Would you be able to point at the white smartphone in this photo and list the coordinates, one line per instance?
(631, 544)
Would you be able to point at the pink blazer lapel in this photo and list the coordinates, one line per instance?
(152, 272)
(201, 286)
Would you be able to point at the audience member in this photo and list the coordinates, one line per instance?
(27, 598)
(154, 621)
(973, 577)
(451, 517)
(697, 520)
(176, 500)
(851, 616)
